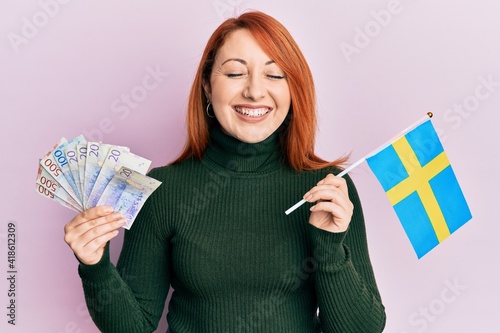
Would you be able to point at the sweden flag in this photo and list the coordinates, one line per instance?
(421, 185)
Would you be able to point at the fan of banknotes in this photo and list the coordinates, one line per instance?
(81, 175)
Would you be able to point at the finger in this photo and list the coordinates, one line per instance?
(341, 216)
(345, 205)
(92, 252)
(329, 193)
(331, 179)
(331, 207)
(99, 242)
(91, 231)
(84, 223)
(89, 214)
(76, 235)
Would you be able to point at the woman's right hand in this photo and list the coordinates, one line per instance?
(88, 232)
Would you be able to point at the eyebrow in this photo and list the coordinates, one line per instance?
(270, 62)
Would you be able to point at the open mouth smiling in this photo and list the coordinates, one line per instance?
(252, 112)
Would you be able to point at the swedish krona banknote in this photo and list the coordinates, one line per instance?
(80, 175)
(127, 192)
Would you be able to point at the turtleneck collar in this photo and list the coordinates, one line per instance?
(228, 154)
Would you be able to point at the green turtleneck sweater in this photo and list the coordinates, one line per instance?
(216, 232)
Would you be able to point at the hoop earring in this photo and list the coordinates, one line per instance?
(207, 110)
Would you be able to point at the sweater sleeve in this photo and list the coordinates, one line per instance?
(131, 296)
(348, 297)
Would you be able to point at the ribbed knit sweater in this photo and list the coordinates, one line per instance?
(216, 232)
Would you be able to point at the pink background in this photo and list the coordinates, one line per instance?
(67, 73)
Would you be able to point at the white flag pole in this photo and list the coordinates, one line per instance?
(373, 152)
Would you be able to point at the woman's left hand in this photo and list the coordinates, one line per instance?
(333, 209)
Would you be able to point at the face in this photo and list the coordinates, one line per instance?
(248, 91)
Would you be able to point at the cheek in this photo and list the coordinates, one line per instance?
(223, 91)
(283, 92)
(283, 98)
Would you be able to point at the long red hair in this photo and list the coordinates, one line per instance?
(298, 138)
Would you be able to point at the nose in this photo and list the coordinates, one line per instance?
(255, 89)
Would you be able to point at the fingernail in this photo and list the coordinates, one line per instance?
(122, 221)
(117, 215)
(312, 208)
(321, 182)
(307, 196)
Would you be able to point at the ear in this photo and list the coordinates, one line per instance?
(207, 89)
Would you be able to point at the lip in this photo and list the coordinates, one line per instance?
(248, 118)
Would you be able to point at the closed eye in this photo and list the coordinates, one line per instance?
(275, 77)
(230, 75)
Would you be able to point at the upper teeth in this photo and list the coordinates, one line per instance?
(252, 112)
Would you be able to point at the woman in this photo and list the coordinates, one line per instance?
(216, 230)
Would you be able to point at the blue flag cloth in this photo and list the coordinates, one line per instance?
(417, 177)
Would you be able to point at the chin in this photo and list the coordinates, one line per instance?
(253, 137)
